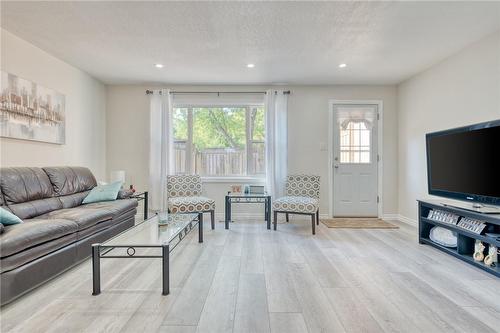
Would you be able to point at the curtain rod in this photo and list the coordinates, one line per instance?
(287, 92)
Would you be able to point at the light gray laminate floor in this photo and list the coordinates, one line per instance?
(249, 279)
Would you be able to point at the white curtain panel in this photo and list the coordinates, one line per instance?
(160, 147)
(276, 142)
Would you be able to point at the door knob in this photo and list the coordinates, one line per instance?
(336, 166)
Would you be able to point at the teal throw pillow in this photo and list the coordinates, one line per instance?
(7, 218)
(108, 192)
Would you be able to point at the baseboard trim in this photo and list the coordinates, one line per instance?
(407, 220)
(400, 218)
(240, 216)
(256, 216)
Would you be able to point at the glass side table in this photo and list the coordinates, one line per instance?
(247, 199)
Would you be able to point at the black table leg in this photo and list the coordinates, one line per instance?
(200, 227)
(268, 213)
(265, 210)
(165, 252)
(226, 213)
(96, 269)
(145, 205)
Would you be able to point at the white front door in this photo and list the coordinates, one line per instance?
(355, 160)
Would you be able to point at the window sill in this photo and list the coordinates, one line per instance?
(243, 180)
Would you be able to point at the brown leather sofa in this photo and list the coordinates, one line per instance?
(57, 230)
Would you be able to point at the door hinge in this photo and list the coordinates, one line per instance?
(378, 199)
(378, 116)
(378, 158)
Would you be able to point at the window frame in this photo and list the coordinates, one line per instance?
(248, 178)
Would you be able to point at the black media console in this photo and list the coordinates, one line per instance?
(466, 238)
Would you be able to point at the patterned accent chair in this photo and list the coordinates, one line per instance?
(184, 196)
(302, 197)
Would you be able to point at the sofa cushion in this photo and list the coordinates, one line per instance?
(30, 209)
(7, 218)
(69, 180)
(24, 184)
(23, 257)
(84, 218)
(73, 200)
(33, 232)
(116, 208)
(2, 202)
(108, 192)
(82, 234)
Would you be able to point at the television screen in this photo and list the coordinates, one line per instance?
(464, 163)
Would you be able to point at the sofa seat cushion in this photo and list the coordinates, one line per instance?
(294, 204)
(190, 204)
(115, 208)
(33, 232)
(84, 218)
(82, 234)
(23, 257)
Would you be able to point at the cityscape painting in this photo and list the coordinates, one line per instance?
(31, 112)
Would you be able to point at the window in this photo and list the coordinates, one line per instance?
(355, 143)
(219, 141)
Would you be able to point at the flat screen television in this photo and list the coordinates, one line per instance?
(464, 163)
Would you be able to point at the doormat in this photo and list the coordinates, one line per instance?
(358, 223)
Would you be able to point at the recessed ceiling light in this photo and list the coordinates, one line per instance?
(342, 65)
(250, 65)
(158, 65)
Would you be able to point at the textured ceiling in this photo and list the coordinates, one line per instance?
(289, 42)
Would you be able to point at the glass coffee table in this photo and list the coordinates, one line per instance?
(155, 237)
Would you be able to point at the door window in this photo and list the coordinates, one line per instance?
(355, 142)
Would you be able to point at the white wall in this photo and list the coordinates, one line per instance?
(464, 89)
(85, 110)
(128, 125)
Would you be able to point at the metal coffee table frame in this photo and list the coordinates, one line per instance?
(100, 251)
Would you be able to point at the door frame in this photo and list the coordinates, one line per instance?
(380, 140)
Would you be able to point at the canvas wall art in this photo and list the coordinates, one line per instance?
(30, 111)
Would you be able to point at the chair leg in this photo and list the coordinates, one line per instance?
(313, 217)
(275, 221)
(317, 217)
(212, 217)
(287, 217)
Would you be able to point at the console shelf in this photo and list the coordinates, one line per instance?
(466, 238)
